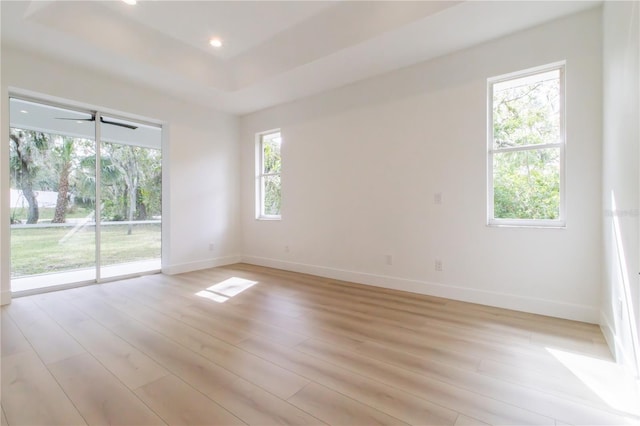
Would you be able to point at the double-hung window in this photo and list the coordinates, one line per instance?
(526, 148)
(269, 163)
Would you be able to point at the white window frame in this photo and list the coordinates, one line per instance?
(561, 144)
(259, 202)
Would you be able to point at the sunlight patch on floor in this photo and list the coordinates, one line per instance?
(225, 290)
(606, 379)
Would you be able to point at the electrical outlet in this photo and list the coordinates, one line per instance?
(438, 265)
(286, 249)
(437, 198)
(389, 259)
(211, 246)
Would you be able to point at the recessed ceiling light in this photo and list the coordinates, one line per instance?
(215, 42)
(130, 2)
(79, 122)
(24, 111)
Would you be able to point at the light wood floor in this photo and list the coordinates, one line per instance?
(292, 349)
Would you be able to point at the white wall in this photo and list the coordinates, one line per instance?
(621, 180)
(200, 150)
(361, 165)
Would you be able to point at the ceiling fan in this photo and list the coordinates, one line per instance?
(102, 120)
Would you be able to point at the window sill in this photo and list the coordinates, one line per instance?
(528, 224)
(269, 218)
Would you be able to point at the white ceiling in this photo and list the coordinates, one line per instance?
(242, 24)
(274, 51)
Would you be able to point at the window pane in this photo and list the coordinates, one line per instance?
(526, 111)
(271, 153)
(271, 193)
(526, 184)
(52, 204)
(52, 197)
(131, 203)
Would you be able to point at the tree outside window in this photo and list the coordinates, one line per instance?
(269, 186)
(526, 148)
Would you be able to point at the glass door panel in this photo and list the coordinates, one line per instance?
(52, 200)
(131, 203)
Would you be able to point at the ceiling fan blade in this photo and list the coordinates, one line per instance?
(115, 123)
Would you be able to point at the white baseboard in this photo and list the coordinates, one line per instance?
(5, 297)
(609, 336)
(501, 300)
(619, 353)
(201, 264)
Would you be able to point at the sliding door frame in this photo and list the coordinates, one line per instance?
(97, 112)
(98, 214)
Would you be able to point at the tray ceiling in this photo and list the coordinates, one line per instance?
(273, 52)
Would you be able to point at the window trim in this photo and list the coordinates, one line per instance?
(530, 223)
(259, 176)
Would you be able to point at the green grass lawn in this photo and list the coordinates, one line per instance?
(46, 213)
(45, 250)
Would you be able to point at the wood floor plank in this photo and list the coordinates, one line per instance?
(587, 346)
(245, 400)
(3, 421)
(517, 400)
(294, 349)
(190, 306)
(177, 359)
(263, 326)
(180, 404)
(111, 403)
(506, 320)
(212, 324)
(417, 355)
(387, 399)
(384, 333)
(441, 393)
(13, 341)
(561, 383)
(47, 338)
(267, 375)
(322, 299)
(31, 396)
(381, 314)
(178, 305)
(337, 409)
(424, 322)
(463, 420)
(426, 361)
(257, 407)
(284, 329)
(91, 296)
(415, 341)
(131, 366)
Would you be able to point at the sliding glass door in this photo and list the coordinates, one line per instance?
(131, 182)
(59, 168)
